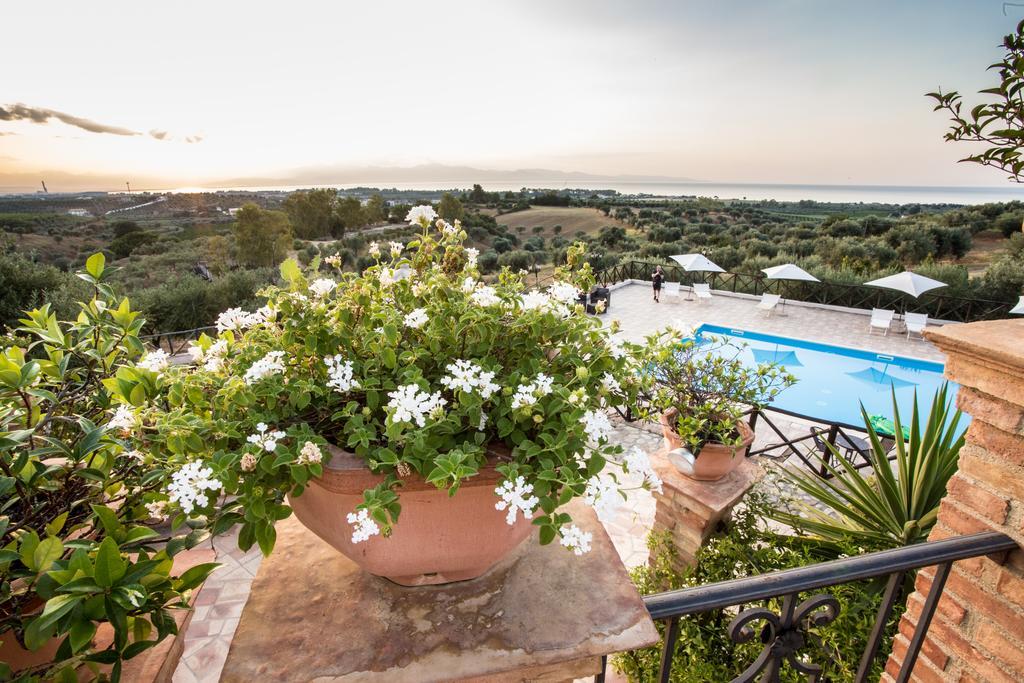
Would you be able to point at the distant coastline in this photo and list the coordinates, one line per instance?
(783, 192)
(868, 194)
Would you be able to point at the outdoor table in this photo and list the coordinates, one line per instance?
(541, 614)
(852, 444)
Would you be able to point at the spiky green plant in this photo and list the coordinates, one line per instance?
(893, 502)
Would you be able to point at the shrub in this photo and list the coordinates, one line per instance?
(704, 652)
(78, 552)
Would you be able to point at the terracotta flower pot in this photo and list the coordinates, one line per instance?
(715, 460)
(438, 538)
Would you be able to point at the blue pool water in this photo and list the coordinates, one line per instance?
(832, 381)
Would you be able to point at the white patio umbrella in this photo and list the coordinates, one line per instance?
(696, 263)
(1019, 308)
(907, 282)
(788, 271)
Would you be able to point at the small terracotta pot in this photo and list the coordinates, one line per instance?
(20, 658)
(438, 538)
(715, 460)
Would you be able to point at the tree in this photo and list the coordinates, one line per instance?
(999, 123)
(263, 237)
(376, 210)
(350, 214)
(477, 196)
(310, 212)
(449, 208)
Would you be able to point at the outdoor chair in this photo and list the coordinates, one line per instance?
(672, 290)
(881, 319)
(851, 446)
(702, 290)
(916, 322)
(768, 302)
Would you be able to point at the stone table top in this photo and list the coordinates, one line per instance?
(313, 615)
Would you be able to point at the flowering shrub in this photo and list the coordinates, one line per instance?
(77, 551)
(416, 366)
(709, 386)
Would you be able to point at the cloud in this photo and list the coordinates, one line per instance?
(21, 112)
(2, 133)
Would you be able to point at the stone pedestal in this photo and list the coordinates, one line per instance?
(977, 633)
(542, 614)
(690, 510)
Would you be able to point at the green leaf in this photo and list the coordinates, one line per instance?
(94, 265)
(108, 518)
(47, 552)
(195, 576)
(81, 634)
(110, 566)
(290, 270)
(54, 527)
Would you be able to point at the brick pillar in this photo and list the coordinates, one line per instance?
(977, 633)
(690, 510)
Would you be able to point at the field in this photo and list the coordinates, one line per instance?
(572, 219)
(987, 246)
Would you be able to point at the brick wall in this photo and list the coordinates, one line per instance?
(977, 633)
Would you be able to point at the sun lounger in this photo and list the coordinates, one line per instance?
(916, 322)
(768, 302)
(672, 290)
(702, 290)
(881, 319)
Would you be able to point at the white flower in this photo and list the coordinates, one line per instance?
(483, 422)
(155, 361)
(363, 526)
(467, 376)
(564, 292)
(157, 509)
(373, 250)
(468, 284)
(542, 384)
(135, 455)
(270, 364)
(386, 277)
(577, 540)
(215, 355)
(310, 454)
(339, 371)
(527, 394)
(196, 351)
(124, 419)
(416, 318)
(610, 384)
(471, 256)
(578, 397)
(516, 497)
(602, 495)
(616, 349)
(409, 404)
(264, 438)
(447, 228)
(237, 319)
(534, 300)
(638, 462)
(248, 462)
(333, 260)
(322, 287)
(596, 425)
(418, 214)
(485, 296)
(396, 248)
(189, 484)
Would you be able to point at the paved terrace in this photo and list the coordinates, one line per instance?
(220, 602)
(639, 315)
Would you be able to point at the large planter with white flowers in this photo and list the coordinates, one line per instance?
(419, 419)
(441, 538)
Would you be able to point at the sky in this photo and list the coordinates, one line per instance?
(206, 93)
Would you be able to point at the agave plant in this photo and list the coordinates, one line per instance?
(895, 500)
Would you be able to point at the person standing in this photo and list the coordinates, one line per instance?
(657, 278)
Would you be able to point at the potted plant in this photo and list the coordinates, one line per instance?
(79, 555)
(700, 391)
(416, 418)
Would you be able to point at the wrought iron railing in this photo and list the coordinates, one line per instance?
(175, 342)
(785, 634)
(936, 304)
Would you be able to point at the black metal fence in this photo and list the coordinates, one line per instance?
(935, 304)
(784, 634)
(178, 341)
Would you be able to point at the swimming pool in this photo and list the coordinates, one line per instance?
(832, 381)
